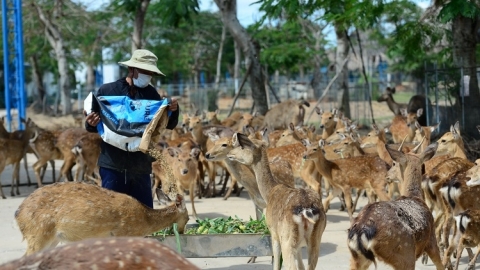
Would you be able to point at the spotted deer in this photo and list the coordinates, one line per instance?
(44, 146)
(344, 174)
(396, 232)
(103, 253)
(73, 211)
(468, 224)
(184, 161)
(403, 126)
(65, 142)
(294, 216)
(12, 151)
(87, 152)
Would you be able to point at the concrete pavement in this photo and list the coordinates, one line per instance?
(334, 253)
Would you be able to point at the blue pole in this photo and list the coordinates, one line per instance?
(6, 66)
(21, 63)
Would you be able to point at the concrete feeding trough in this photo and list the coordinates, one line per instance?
(220, 245)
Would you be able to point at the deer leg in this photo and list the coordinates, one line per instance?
(191, 192)
(37, 167)
(15, 179)
(313, 249)
(276, 253)
(359, 193)
(52, 164)
(434, 253)
(298, 259)
(471, 264)
(43, 169)
(289, 256)
(446, 230)
(2, 167)
(230, 189)
(459, 252)
(333, 194)
(348, 202)
(25, 165)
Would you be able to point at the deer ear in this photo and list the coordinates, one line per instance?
(398, 156)
(419, 112)
(291, 126)
(213, 137)
(318, 110)
(235, 142)
(194, 152)
(321, 143)
(172, 152)
(429, 152)
(305, 142)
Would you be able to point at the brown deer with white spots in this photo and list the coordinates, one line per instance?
(184, 162)
(344, 174)
(72, 211)
(12, 151)
(101, 253)
(294, 216)
(87, 151)
(44, 146)
(468, 235)
(65, 142)
(396, 232)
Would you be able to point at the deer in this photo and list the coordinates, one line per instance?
(211, 118)
(12, 152)
(424, 132)
(232, 119)
(468, 223)
(103, 253)
(387, 96)
(328, 122)
(74, 211)
(344, 174)
(403, 126)
(87, 151)
(184, 161)
(284, 113)
(294, 216)
(461, 194)
(396, 232)
(65, 142)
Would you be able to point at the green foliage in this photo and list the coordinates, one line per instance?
(455, 8)
(223, 225)
(174, 11)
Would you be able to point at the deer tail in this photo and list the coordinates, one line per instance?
(360, 241)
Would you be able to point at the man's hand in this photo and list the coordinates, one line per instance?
(173, 105)
(92, 119)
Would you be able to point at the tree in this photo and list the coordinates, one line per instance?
(251, 51)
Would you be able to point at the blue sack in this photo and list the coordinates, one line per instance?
(123, 120)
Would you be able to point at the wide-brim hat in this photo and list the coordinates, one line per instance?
(143, 59)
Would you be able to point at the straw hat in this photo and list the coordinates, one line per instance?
(143, 59)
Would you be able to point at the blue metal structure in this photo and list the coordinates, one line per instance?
(13, 62)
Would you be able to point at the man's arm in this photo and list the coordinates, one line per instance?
(173, 119)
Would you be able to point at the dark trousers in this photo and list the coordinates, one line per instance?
(136, 185)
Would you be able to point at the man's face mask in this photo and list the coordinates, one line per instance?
(142, 80)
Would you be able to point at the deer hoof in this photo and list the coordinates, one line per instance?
(252, 259)
(425, 259)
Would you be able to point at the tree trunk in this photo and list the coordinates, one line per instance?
(56, 41)
(219, 58)
(236, 66)
(342, 53)
(90, 83)
(250, 49)
(38, 82)
(464, 32)
(138, 24)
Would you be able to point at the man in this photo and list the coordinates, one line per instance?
(123, 171)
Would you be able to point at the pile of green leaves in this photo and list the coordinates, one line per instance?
(223, 226)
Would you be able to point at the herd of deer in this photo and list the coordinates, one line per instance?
(415, 188)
